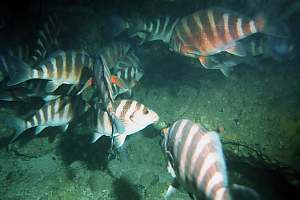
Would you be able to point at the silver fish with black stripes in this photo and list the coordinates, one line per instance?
(58, 112)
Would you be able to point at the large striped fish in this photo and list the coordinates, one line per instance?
(62, 67)
(159, 28)
(134, 115)
(211, 31)
(124, 79)
(58, 112)
(196, 161)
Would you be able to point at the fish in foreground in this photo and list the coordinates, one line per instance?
(62, 67)
(124, 79)
(133, 115)
(58, 112)
(196, 162)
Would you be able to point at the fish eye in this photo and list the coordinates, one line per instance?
(145, 111)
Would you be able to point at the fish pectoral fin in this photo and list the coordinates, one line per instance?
(97, 136)
(39, 129)
(173, 187)
(118, 124)
(207, 62)
(119, 140)
(226, 71)
(237, 49)
(64, 127)
(51, 86)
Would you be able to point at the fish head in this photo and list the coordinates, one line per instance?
(141, 118)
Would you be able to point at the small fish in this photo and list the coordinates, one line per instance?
(62, 67)
(134, 116)
(131, 59)
(58, 112)
(125, 79)
(211, 31)
(196, 161)
(159, 28)
(112, 53)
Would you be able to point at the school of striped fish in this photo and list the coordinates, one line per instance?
(218, 38)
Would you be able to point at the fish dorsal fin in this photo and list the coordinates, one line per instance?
(237, 49)
(64, 127)
(119, 140)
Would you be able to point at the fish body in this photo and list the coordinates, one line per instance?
(196, 160)
(159, 28)
(62, 67)
(211, 31)
(112, 53)
(129, 60)
(58, 112)
(134, 116)
(124, 79)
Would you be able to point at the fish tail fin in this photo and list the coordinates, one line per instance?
(118, 25)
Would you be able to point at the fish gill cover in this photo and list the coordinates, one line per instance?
(120, 100)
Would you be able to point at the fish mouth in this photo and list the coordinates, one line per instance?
(155, 118)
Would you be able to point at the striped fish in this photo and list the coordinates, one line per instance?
(124, 79)
(129, 60)
(196, 162)
(134, 115)
(46, 38)
(112, 53)
(62, 67)
(211, 31)
(44, 41)
(160, 28)
(58, 112)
